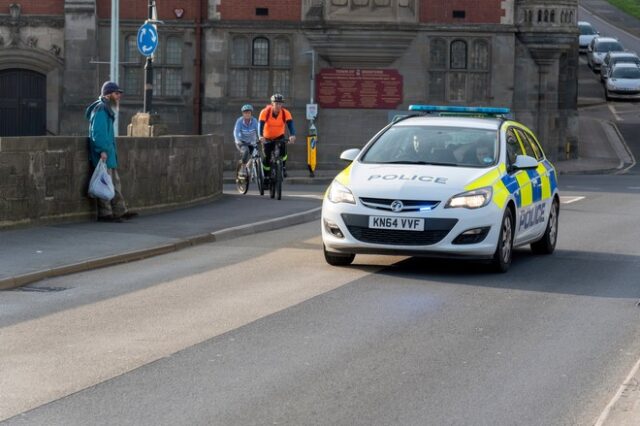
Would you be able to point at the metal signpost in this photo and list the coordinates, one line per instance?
(147, 45)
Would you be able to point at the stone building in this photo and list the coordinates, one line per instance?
(372, 58)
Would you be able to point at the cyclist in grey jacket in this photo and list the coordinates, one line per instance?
(245, 134)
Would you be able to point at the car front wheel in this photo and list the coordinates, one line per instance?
(504, 248)
(338, 259)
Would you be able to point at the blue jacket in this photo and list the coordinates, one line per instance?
(246, 133)
(101, 136)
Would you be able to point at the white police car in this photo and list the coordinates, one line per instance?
(450, 181)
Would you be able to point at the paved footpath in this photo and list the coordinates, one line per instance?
(32, 254)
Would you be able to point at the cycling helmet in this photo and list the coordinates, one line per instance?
(247, 107)
(277, 97)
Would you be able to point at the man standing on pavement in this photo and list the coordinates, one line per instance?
(102, 146)
(273, 119)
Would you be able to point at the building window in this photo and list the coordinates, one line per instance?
(459, 70)
(167, 67)
(259, 66)
(132, 67)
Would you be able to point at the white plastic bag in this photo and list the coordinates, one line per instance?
(101, 185)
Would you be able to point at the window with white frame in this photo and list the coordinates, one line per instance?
(167, 67)
(259, 66)
(459, 70)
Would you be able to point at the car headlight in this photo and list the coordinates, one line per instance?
(338, 193)
(471, 199)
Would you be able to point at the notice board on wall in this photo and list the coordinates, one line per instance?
(359, 88)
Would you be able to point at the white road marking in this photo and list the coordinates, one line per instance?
(629, 381)
(569, 200)
(614, 112)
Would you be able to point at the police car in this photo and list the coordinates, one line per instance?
(444, 181)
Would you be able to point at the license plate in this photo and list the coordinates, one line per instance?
(401, 223)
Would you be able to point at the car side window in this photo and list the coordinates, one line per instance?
(535, 146)
(526, 143)
(513, 147)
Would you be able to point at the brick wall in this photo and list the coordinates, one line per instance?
(138, 9)
(278, 10)
(475, 11)
(45, 179)
(34, 7)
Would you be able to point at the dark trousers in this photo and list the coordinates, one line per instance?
(269, 146)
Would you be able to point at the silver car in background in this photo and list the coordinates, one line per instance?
(613, 58)
(623, 82)
(587, 33)
(598, 48)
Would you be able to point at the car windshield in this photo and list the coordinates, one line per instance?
(609, 46)
(626, 73)
(450, 146)
(586, 30)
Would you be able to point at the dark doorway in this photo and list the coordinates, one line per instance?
(23, 103)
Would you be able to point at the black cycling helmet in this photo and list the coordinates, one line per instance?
(277, 97)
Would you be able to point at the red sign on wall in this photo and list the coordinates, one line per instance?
(358, 88)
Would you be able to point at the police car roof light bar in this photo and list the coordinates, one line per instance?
(460, 109)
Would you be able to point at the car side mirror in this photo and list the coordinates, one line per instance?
(349, 154)
(524, 162)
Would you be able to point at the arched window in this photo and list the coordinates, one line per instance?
(458, 59)
(459, 70)
(540, 16)
(553, 16)
(260, 51)
(259, 66)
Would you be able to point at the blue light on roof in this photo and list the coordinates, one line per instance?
(460, 109)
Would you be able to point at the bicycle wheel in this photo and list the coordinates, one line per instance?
(272, 183)
(279, 179)
(259, 174)
(242, 182)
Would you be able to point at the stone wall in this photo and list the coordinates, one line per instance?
(45, 179)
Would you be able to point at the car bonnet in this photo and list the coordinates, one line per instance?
(409, 182)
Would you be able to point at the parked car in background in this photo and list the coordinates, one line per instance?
(623, 82)
(587, 33)
(613, 58)
(598, 48)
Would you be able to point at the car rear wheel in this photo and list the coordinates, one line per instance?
(504, 248)
(336, 259)
(547, 244)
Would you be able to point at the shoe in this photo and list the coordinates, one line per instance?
(129, 215)
(110, 218)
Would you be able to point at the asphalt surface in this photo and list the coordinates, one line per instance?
(389, 340)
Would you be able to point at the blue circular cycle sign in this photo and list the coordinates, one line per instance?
(147, 39)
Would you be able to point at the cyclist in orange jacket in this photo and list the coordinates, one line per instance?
(273, 119)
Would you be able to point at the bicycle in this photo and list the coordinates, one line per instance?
(255, 173)
(276, 172)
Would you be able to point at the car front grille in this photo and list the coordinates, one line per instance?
(408, 205)
(435, 231)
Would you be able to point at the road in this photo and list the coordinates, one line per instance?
(259, 330)
(626, 115)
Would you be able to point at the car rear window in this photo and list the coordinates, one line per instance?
(609, 46)
(625, 73)
(452, 146)
(586, 30)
